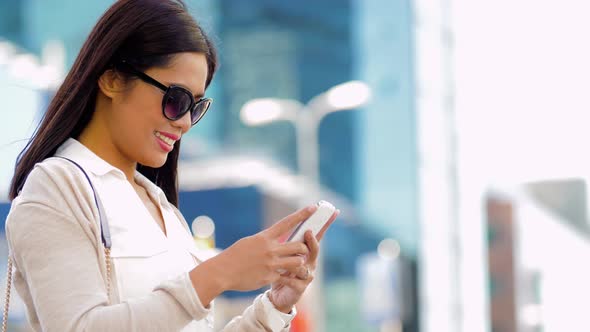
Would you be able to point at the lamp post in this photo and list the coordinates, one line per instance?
(306, 120)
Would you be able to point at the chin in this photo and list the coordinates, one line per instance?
(154, 162)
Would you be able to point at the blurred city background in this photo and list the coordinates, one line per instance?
(445, 131)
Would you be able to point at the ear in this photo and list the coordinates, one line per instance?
(110, 83)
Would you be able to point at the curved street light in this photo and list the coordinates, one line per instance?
(306, 118)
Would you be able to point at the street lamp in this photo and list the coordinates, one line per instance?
(306, 118)
(263, 111)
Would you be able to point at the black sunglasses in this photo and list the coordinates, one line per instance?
(177, 100)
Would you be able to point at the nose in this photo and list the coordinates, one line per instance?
(184, 123)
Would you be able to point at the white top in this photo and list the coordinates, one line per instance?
(150, 268)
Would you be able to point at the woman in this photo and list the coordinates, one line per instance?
(107, 149)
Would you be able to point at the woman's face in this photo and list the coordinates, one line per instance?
(136, 122)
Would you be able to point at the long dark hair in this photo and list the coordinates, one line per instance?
(145, 32)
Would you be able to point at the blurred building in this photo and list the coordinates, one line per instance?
(288, 50)
(537, 257)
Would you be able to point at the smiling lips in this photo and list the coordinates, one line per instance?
(166, 138)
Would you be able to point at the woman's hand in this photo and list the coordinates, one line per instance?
(287, 291)
(255, 261)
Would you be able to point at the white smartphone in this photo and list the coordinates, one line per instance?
(315, 222)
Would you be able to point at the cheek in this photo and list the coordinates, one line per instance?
(135, 117)
(140, 110)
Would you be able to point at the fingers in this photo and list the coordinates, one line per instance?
(289, 222)
(292, 249)
(314, 247)
(303, 273)
(289, 264)
(327, 225)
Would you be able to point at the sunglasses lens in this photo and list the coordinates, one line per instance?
(177, 103)
(199, 110)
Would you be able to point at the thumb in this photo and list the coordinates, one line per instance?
(289, 222)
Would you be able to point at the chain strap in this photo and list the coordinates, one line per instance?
(107, 257)
(7, 298)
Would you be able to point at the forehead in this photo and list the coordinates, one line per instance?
(186, 69)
